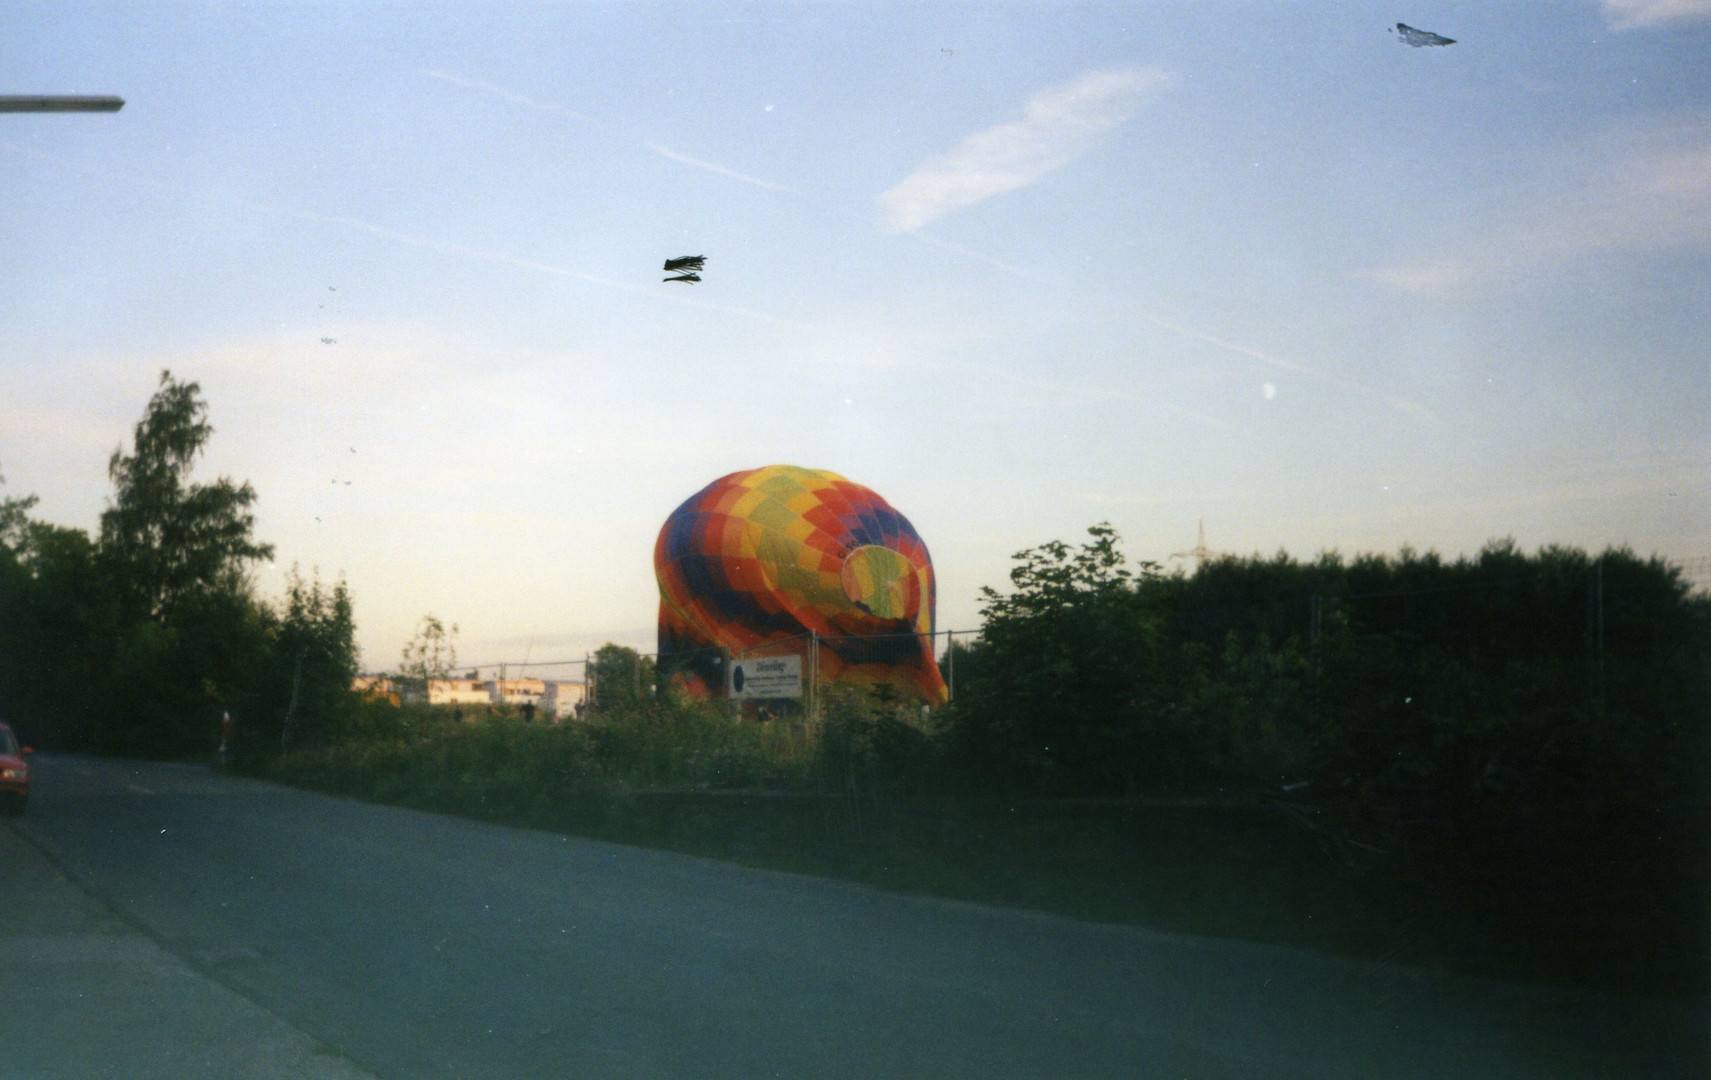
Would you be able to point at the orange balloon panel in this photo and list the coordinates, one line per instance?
(766, 555)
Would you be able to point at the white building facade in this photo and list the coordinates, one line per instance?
(562, 699)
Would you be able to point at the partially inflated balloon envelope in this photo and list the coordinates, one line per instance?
(760, 557)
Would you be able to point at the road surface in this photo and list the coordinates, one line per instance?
(404, 944)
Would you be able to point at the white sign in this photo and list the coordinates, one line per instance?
(767, 677)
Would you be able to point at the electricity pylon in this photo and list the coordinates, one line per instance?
(1200, 552)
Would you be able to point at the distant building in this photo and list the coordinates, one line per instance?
(518, 692)
(458, 692)
(554, 700)
(563, 699)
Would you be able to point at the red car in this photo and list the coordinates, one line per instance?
(14, 772)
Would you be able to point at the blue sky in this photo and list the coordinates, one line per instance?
(1019, 268)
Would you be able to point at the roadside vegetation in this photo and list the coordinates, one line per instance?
(1498, 764)
(1495, 765)
(133, 642)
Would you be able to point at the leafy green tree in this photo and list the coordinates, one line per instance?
(57, 621)
(190, 637)
(315, 648)
(167, 538)
(431, 654)
(14, 517)
(135, 645)
(623, 678)
(54, 617)
(1067, 690)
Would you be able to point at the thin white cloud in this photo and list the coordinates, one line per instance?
(502, 259)
(712, 168)
(1552, 492)
(1031, 394)
(1058, 125)
(1412, 409)
(552, 107)
(357, 225)
(396, 236)
(1443, 276)
(970, 253)
(508, 95)
(1631, 191)
(1635, 14)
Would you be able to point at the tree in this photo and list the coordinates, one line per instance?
(1066, 688)
(316, 644)
(189, 636)
(167, 538)
(622, 677)
(56, 625)
(431, 654)
(14, 517)
(53, 617)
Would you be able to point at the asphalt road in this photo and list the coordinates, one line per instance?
(417, 945)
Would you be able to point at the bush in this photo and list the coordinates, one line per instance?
(501, 770)
(875, 745)
(566, 775)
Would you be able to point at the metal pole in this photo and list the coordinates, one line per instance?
(46, 103)
(950, 664)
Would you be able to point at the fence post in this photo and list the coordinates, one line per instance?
(814, 675)
(950, 664)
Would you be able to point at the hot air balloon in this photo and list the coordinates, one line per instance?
(761, 558)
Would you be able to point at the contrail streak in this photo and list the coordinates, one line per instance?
(548, 106)
(1411, 408)
(712, 168)
(1403, 405)
(393, 235)
(500, 91)
(503, 259)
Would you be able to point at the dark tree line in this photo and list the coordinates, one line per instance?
(1530, 727)
(135, 641)
(1401, 675)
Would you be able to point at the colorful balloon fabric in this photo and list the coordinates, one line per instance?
(761, 557)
